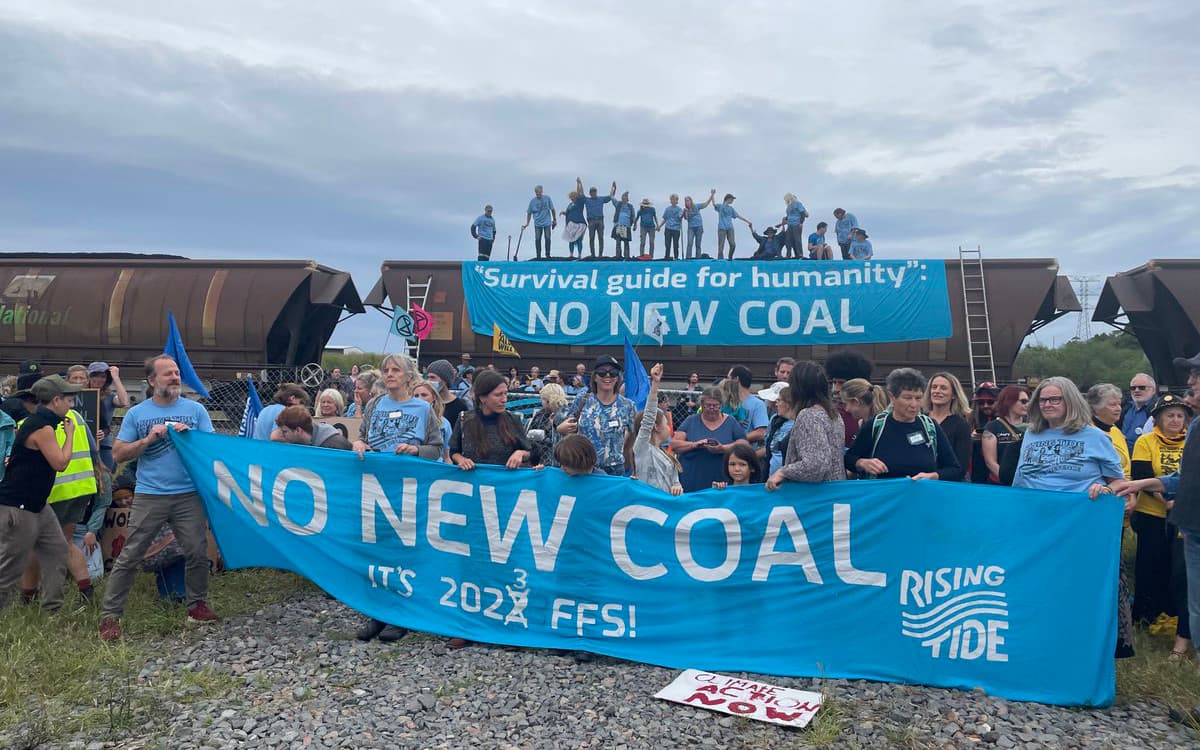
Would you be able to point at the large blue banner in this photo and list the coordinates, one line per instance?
(1013, 591)
(715, 303)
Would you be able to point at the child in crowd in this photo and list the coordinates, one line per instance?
(655, 466)
(576, 456)
(741, 467)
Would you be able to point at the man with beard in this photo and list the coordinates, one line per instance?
(983, 411)
(164, 494)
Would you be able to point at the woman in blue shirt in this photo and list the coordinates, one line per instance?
(576, 225)
(793, 225)
(695, 222)
(622, 224)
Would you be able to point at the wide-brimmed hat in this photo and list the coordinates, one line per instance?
(646, 202)
(1188, 363)
(772, 393)
(1168, 400)
(862, 231)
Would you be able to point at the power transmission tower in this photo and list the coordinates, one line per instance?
(1083, 291)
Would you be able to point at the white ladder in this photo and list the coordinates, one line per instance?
(975, 307)
(417, 292)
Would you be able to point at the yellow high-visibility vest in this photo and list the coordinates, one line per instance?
(79, 478)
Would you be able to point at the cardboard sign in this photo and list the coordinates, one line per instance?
(348, 426)
(87, 403)
(112, 540)
(747, 698)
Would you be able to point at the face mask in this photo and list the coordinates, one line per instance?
(437, 387)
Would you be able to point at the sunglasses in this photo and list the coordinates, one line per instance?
(1139, 387)
(607, 373)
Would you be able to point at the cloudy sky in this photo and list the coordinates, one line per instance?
(355, 132)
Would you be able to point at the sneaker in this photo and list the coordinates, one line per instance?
(391, 633)
(370, 629)
(110, 629)
(200, 614)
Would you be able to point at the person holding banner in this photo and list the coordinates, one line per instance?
(164, 493)
(426, 391)
(1062, 451)
(702, 441)
(489, 434)
(654, 465)
(814, 449)
(605, 417)
(903, 442)
(396, 422)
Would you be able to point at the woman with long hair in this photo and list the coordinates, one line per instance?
(427, 391)
(741, 466)
(902, 441)
(1060, 424)
(330, 403)
(655, 466)
(702, 440)
(863, 400)
(814, 452)
(946, 402)
(1001, 435)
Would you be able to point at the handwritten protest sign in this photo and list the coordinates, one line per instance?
(747, 698)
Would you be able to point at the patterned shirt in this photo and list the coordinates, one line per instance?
(605, 426)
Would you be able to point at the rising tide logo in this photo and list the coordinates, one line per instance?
(959, 613)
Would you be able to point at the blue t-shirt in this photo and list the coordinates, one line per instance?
(844, 226)
(756, 413)
(265, 422)
(595, 206)
(860, 250)
(795, 213)
(624, 213)
(159, 470)
(575, 212)
(647, 217)
(398, 422)
(486, 226)
(673, 217)
(816, 239)
(725, 215)
(1061, 462)
(542, 210)
(695, 219)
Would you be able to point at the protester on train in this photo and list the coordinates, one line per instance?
(543, 425)
(841, 366)
(107, 380)
(647, 221)
(296, 426)
(483, 229)
(702, 441)
(655, 466)
(27, 524)
(397, 423)
(903, 442)
(605, 417)
(770, 244)
(814, 450)
(442, 377)
(860, 246)
(672, 220)
(946, 402)
(843, 228)
(726, 213)
(792, 225)
(575, 223)
(1060, 421)
(695, 223)
(1104, 399)
(622, 232)
(1156, 453)
(427, 391)
(741, 466)
(330, 403)
(818, 247)
(366, 386)
(1002, 434)
(779, 397)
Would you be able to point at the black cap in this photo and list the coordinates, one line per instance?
(29, 367)
(606, 360)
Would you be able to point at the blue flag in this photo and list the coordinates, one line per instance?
(174, 348)
(637, 382)
(253, 408)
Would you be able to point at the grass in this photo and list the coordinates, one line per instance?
(57, 679)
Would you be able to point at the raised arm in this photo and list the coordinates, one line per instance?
(122, 396)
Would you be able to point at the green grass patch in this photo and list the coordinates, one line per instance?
(1150, 677)
(57, 679)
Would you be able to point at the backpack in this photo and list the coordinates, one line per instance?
(926, 422)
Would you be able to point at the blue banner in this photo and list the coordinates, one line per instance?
(713, 303)
(954, 585)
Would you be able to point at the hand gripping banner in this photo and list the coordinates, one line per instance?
(953, 585)
(712, 303)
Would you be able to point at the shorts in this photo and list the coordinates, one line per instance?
(71, 511)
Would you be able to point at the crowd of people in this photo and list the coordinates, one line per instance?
(584, 214)
(815, 422)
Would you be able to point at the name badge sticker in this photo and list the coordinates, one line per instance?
(395, 414)
(614, 424)
(916, 438)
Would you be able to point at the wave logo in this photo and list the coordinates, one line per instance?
(958, 613)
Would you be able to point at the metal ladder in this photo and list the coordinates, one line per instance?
(975, 307)
(416, 292)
